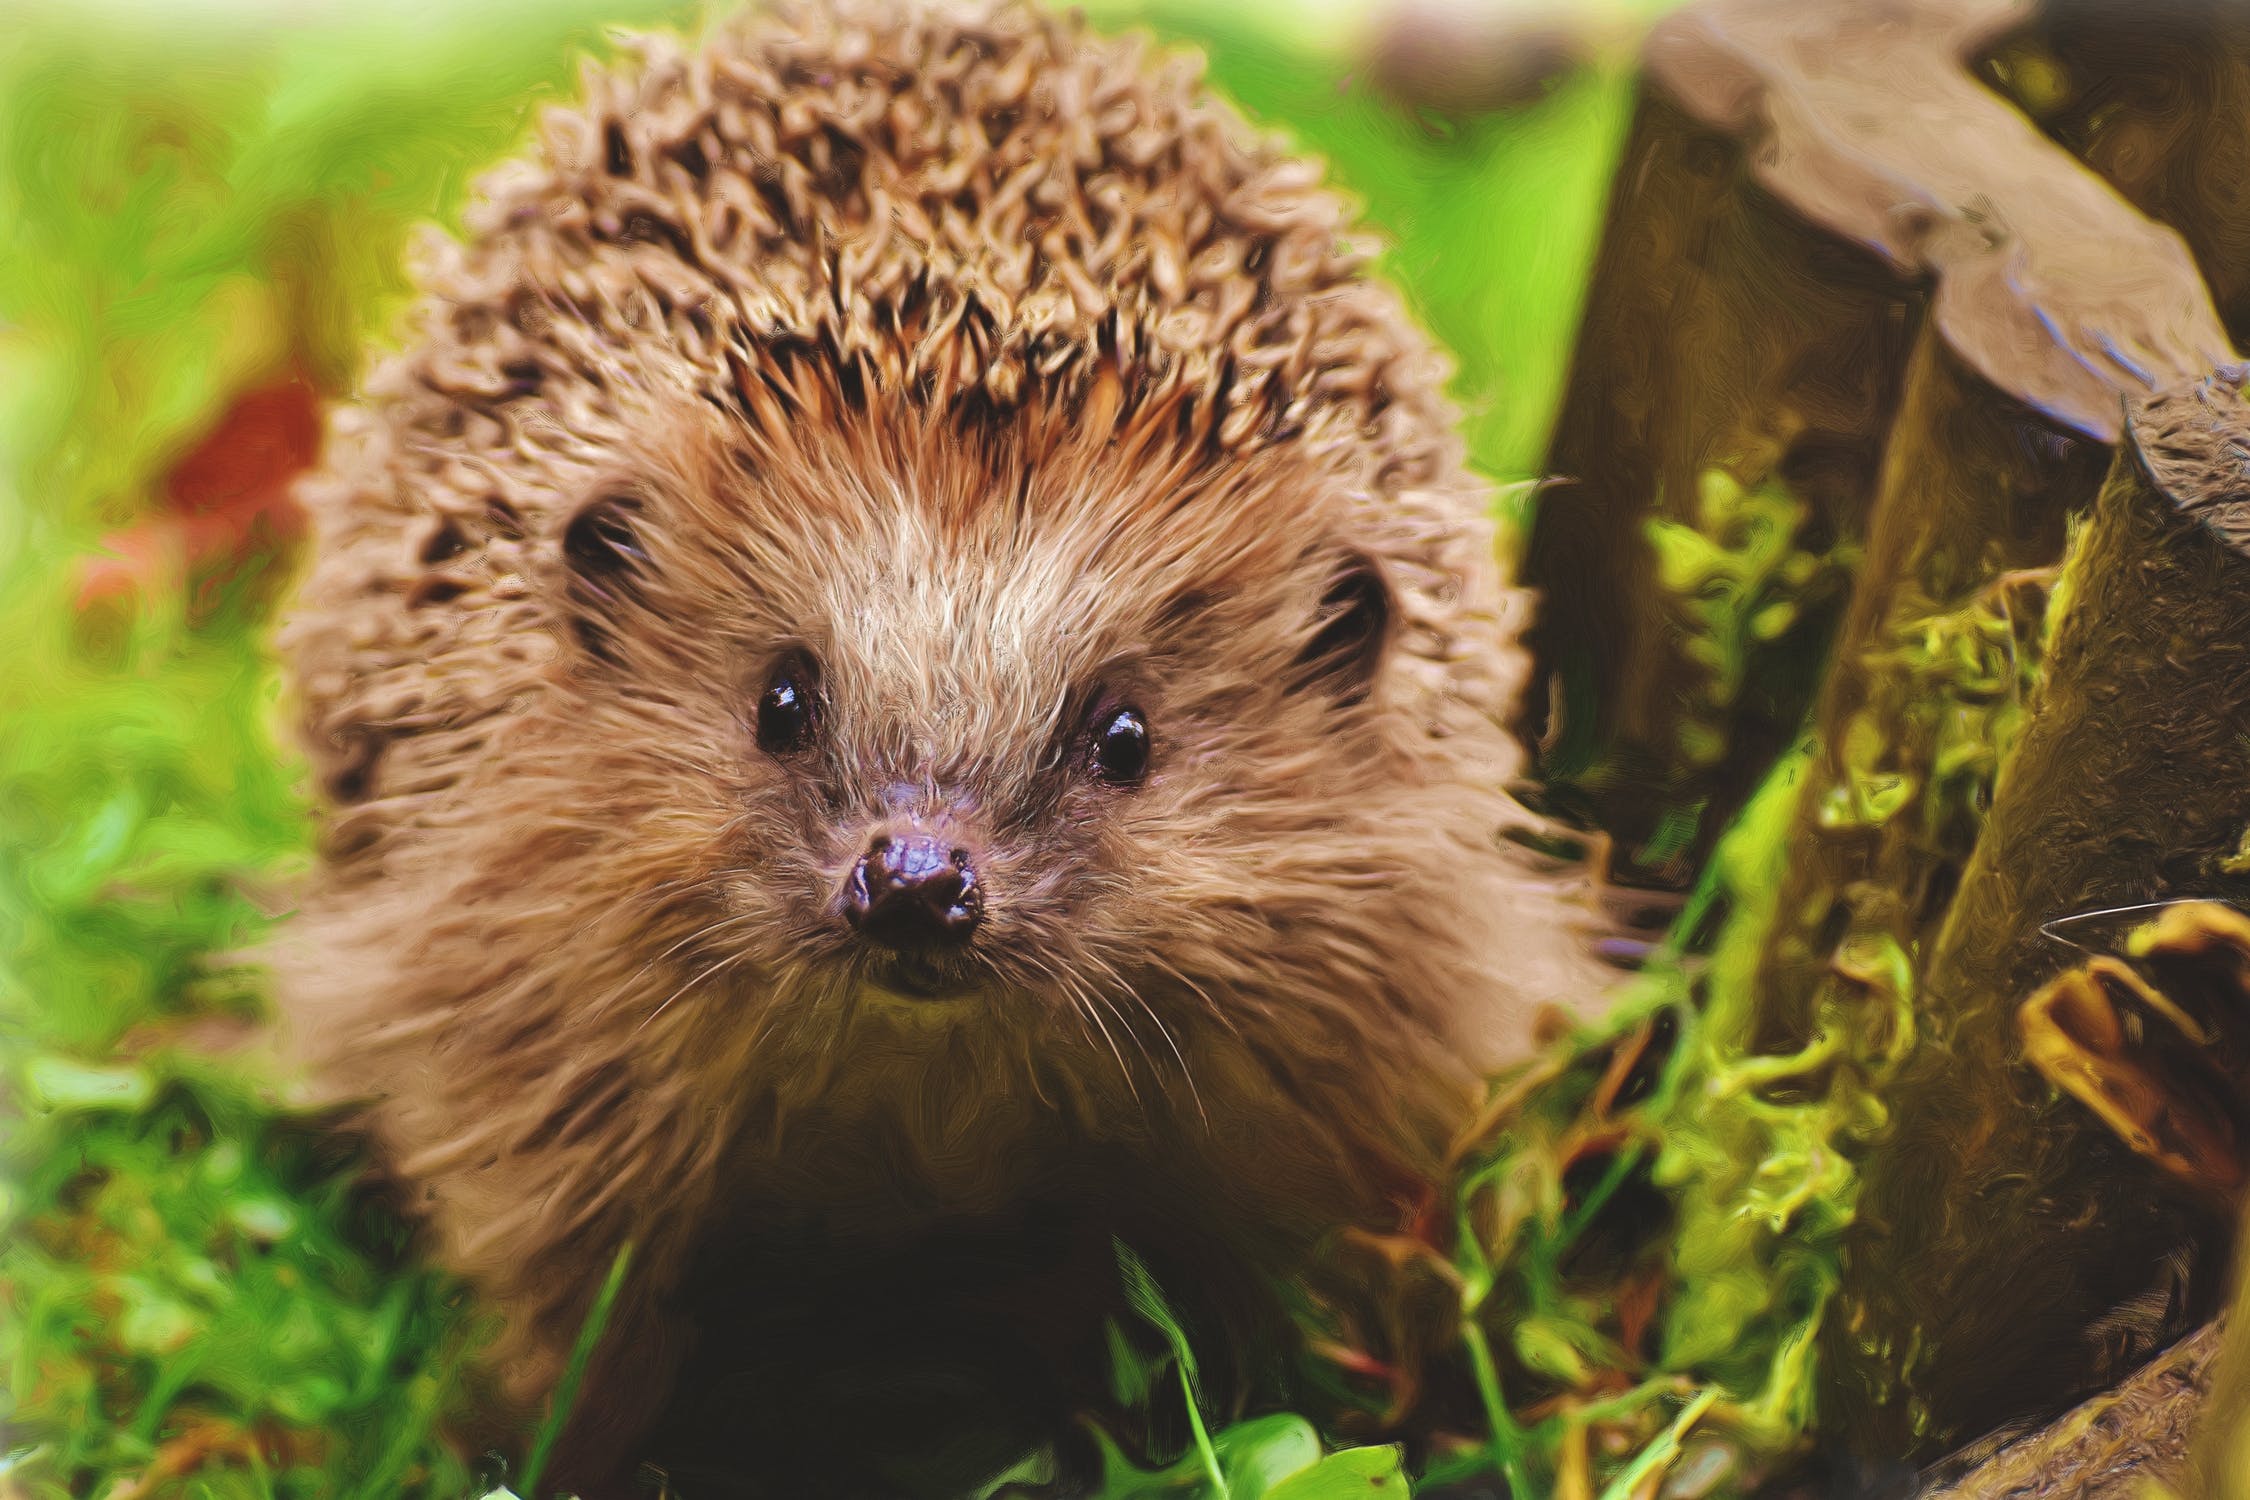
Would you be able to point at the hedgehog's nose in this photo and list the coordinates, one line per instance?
(913, 892)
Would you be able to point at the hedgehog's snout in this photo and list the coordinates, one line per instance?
(912, 893)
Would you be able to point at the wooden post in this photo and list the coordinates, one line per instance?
(2011, 1253)
(2110, 1447)
(1722, 332)
(1807, 191)
(2151, 96)
(1975, 487)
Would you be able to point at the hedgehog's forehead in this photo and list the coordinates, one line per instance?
(1006, 563)
(930, 617)
(1037, 531)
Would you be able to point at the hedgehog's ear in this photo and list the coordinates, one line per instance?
(602, 549)
(1351, 631)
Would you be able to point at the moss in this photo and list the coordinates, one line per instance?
(1738, 581)
(1752, 592)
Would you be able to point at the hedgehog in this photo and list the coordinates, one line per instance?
(908, 683)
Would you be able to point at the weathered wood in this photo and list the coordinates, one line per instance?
(1803, 185)
(2001, 1228)
(2151, 1035)
(1865, 119)
(1975, 487)
(2109, 1447)
(2152, 97)
(1721, 332)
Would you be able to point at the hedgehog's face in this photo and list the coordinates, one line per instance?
(1079, 745)
(914, 896)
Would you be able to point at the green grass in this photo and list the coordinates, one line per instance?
(188, 1288)
(184, 209)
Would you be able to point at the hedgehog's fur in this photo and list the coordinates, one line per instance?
(997, 365)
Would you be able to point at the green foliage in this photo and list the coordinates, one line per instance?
(186, 1285)
(1755, 1156)
(179, 1271)
(1739, 579)
(1276, 1457)
(1754, 1150)
(190, 197)
(1266, 1458)
(1748, 1155)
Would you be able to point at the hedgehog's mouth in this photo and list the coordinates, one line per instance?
(918, 976)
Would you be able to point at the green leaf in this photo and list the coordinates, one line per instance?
(67, 1087)
(581, 1355)
(1347, 1475)
(1546, 1345)
(1148, 1300)
(1274, 1457)
(1257, 1455)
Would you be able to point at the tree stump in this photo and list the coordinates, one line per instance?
(2110, 1446)
(1842, 269)
(2126, 786)
(1804, 187)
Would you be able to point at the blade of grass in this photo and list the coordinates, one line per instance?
(1658, 1455)
(1148, 1300)
(581, 1354)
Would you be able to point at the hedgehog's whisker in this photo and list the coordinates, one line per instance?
(709, 929)
(728, 962)
(1218, 1012)
(1132, 1032)
(779, 994)
(1077, 1014)
(1187, 1074)
(1027, 1057)
(1083, 998)
(1082, 1006)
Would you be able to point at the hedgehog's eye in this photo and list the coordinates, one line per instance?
(789, 709)
(1120, 749)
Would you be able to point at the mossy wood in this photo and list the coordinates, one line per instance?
(1857, 270)
(2125, 786)
(1802, 192)
(1943, 627)
(2110, 1446)
(1720, 333)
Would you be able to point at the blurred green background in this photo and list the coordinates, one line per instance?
(202, 221)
